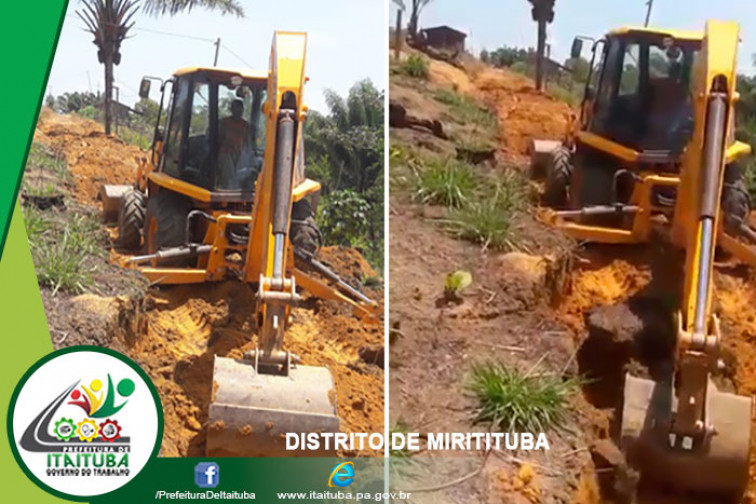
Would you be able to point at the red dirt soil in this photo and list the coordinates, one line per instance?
(93, 158)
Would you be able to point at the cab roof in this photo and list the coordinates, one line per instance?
(675, 34)
(245, 73)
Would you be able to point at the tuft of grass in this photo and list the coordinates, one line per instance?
(488, 219)
(61, 248)
(450, 183)
(520, 402)
(465, 108)
(415, 66)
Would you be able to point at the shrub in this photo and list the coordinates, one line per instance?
(415, 66)
(449, 183)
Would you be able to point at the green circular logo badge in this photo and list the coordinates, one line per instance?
(84, 421)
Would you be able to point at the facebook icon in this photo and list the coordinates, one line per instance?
(206, 474)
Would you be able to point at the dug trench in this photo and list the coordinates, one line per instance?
(173, 332)
(620, 304)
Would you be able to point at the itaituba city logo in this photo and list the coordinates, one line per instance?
(102, 424)
(97, 404)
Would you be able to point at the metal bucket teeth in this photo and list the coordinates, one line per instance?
(250, 413)
(716, 467)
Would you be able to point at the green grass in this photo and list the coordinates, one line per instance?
(40, 191)
(450, 183)
(45, 158)
(62, 244)
(62, 249)
(134, 138)
(488, 219)
(571, 98)
(465, 108)
(415, 66)
(516, 401)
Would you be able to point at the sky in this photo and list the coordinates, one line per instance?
(346, 43)
(493, 23)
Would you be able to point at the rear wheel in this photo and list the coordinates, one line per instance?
(592, 185)
(131, 214)
(166, 224)
(305, 235)
(736, 204)
(558, 176)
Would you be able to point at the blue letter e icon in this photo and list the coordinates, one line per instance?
(342, 475)
(206, 474)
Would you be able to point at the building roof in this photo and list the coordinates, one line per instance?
(446, 29)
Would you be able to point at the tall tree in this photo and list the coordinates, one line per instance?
(543, 13)
(417, 7)
(344, 150)
(110, 21)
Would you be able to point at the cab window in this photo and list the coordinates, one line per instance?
(241, 136)
(172, 148)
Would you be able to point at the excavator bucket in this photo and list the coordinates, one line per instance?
(251, 412)
(717, 466)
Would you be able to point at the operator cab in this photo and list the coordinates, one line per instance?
(214, 130)
(639, 93)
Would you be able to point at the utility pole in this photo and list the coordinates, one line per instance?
(217, 49)
(543, 14)
(650, 5)
(398, 35)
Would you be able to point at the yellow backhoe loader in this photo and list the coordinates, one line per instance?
(653, 155)
(223, 194)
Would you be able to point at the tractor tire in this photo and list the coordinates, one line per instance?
(131, 220)
(169, 211)
(305, 235)
(736, 206)
(592, 186)
(558, 178)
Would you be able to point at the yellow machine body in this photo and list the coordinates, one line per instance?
(246, 234)
(681, 430)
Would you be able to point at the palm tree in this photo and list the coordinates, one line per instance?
(350, 138)
(110, 21)
(414, 20)
(175, 6)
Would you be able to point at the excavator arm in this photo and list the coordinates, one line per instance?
(681, 429)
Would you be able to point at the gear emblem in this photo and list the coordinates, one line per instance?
(87, 430)
(110, 430)
(65, 428)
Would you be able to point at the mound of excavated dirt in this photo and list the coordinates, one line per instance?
(523, 112)
(185, 326)
(93, 158)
